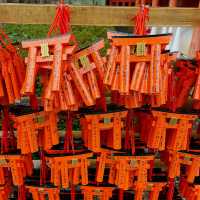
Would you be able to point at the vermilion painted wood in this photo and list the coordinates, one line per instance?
(42, 192)
(93, 126)
(103, 193)
(35, 131)
(19, 165)
(61, 169)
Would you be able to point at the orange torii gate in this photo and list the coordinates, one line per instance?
(68, 170)
(48, 57)
(103, 193)
(20, 166)
(103, 129)
(165, 130)
(174, 161)
(189, 191)
(154, 189)
(92, 63)
(135, 67)
(36, 130)
(124, 169)
(40, 193)
(5, 191)
(39, 52)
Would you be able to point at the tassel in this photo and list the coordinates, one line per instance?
(34, 102)
(68, 141)
(5, 131)
(170, 192)
(61, 20)
(42, 168)
(21, 192)
(73, 192)
(141, 20)
(4, 139)
(130, 133)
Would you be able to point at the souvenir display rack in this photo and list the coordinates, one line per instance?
(141, 141)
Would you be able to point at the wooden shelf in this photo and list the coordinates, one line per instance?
(97, 15)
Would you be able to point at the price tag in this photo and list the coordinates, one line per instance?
(44, 50)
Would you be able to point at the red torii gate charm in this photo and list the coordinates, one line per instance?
(107, 125)
(103, 193)
(40, 193)
(68, 170)
(50, 53)
(166, 130)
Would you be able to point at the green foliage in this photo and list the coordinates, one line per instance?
(85, 35)
(25, 32)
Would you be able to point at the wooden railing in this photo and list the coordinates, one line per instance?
(97, 15)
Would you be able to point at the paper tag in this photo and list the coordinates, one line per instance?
(187, 157)
(133, 49)
(97, 191)
(133, 163)
(85, 61)
(44, 50)
(106, 120)
(3, 162)
(41, 190)
(149, 187)
(140, 49)
(173, 121)
(40, 119)
(74, 161)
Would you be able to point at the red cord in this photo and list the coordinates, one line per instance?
(68, 141)
(141, 20)
(43, 169)
(61, 20)
(5, 129)
(170, 192)
(21, 192)
(34, 102)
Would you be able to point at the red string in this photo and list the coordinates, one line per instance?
(61, 20)
(5, 129)
(5, 40)
(34, 102)
(170, 192)
(121, 194)
(43, 169)
(21, 192)
(130, 133)
(68, 141)
(101, 103)
(141, 20)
